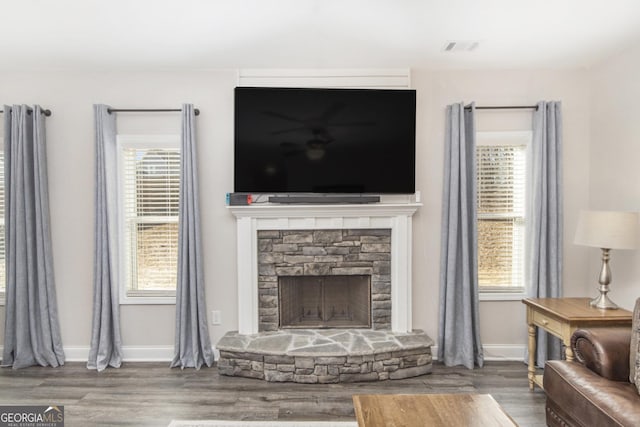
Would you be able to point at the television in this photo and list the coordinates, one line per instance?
(301, 140)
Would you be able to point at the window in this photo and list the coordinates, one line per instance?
(149, 191)
(501, 160)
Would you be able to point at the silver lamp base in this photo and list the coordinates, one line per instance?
(603, 300)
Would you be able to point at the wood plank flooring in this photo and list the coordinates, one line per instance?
(151, 394)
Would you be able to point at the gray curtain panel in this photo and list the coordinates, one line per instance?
(458, 326)
(32, 332)
(192, 342)
(106, 343)
(545, 213)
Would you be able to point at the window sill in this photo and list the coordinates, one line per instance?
(501, 296)
(147, 301)
(148, 298)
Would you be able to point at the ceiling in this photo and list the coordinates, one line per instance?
(189, 34)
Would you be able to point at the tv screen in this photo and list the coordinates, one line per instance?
(291, 140)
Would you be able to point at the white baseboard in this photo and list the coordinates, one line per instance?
(129, 353)
(506, 352)
(142, 353)
(139, 353)
(492, 352)
(496, 352)
(76, 354)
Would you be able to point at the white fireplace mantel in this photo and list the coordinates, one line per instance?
(394, 216)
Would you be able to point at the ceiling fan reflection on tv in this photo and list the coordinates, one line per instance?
(318, 126)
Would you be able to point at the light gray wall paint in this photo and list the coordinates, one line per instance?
(70, 95)
(615, 163)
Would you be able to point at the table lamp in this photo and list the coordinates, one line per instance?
(607, 230)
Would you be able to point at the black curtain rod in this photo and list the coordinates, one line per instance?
(505, 107)
(148, 110)
(45, 112)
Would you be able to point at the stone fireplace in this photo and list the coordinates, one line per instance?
(268, 218)
(324, 295)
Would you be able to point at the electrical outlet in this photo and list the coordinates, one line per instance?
(216, 317)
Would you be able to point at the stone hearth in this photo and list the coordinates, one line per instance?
(326, 355)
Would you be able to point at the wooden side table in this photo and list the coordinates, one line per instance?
(561, 317)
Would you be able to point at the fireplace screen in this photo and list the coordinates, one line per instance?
(325, 301)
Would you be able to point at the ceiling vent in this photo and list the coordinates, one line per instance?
(461, 46)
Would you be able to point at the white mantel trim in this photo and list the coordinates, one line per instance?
(396, 216)
(350, 210)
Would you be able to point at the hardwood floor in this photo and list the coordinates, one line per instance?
(151, 394)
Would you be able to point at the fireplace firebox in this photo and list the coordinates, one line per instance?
(325, 301)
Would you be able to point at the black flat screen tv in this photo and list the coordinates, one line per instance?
(293, 140)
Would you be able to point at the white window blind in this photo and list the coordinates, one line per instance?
(501, 175)
(151, 191)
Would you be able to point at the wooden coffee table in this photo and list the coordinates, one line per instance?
(446, 410)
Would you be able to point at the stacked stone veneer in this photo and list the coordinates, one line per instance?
(324, 253)
(325, 356)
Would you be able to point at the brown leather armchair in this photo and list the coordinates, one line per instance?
(593, 390)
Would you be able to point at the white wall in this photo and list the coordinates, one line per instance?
(615, 162)
(70, 95)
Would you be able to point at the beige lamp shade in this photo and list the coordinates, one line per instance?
(608, 229)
